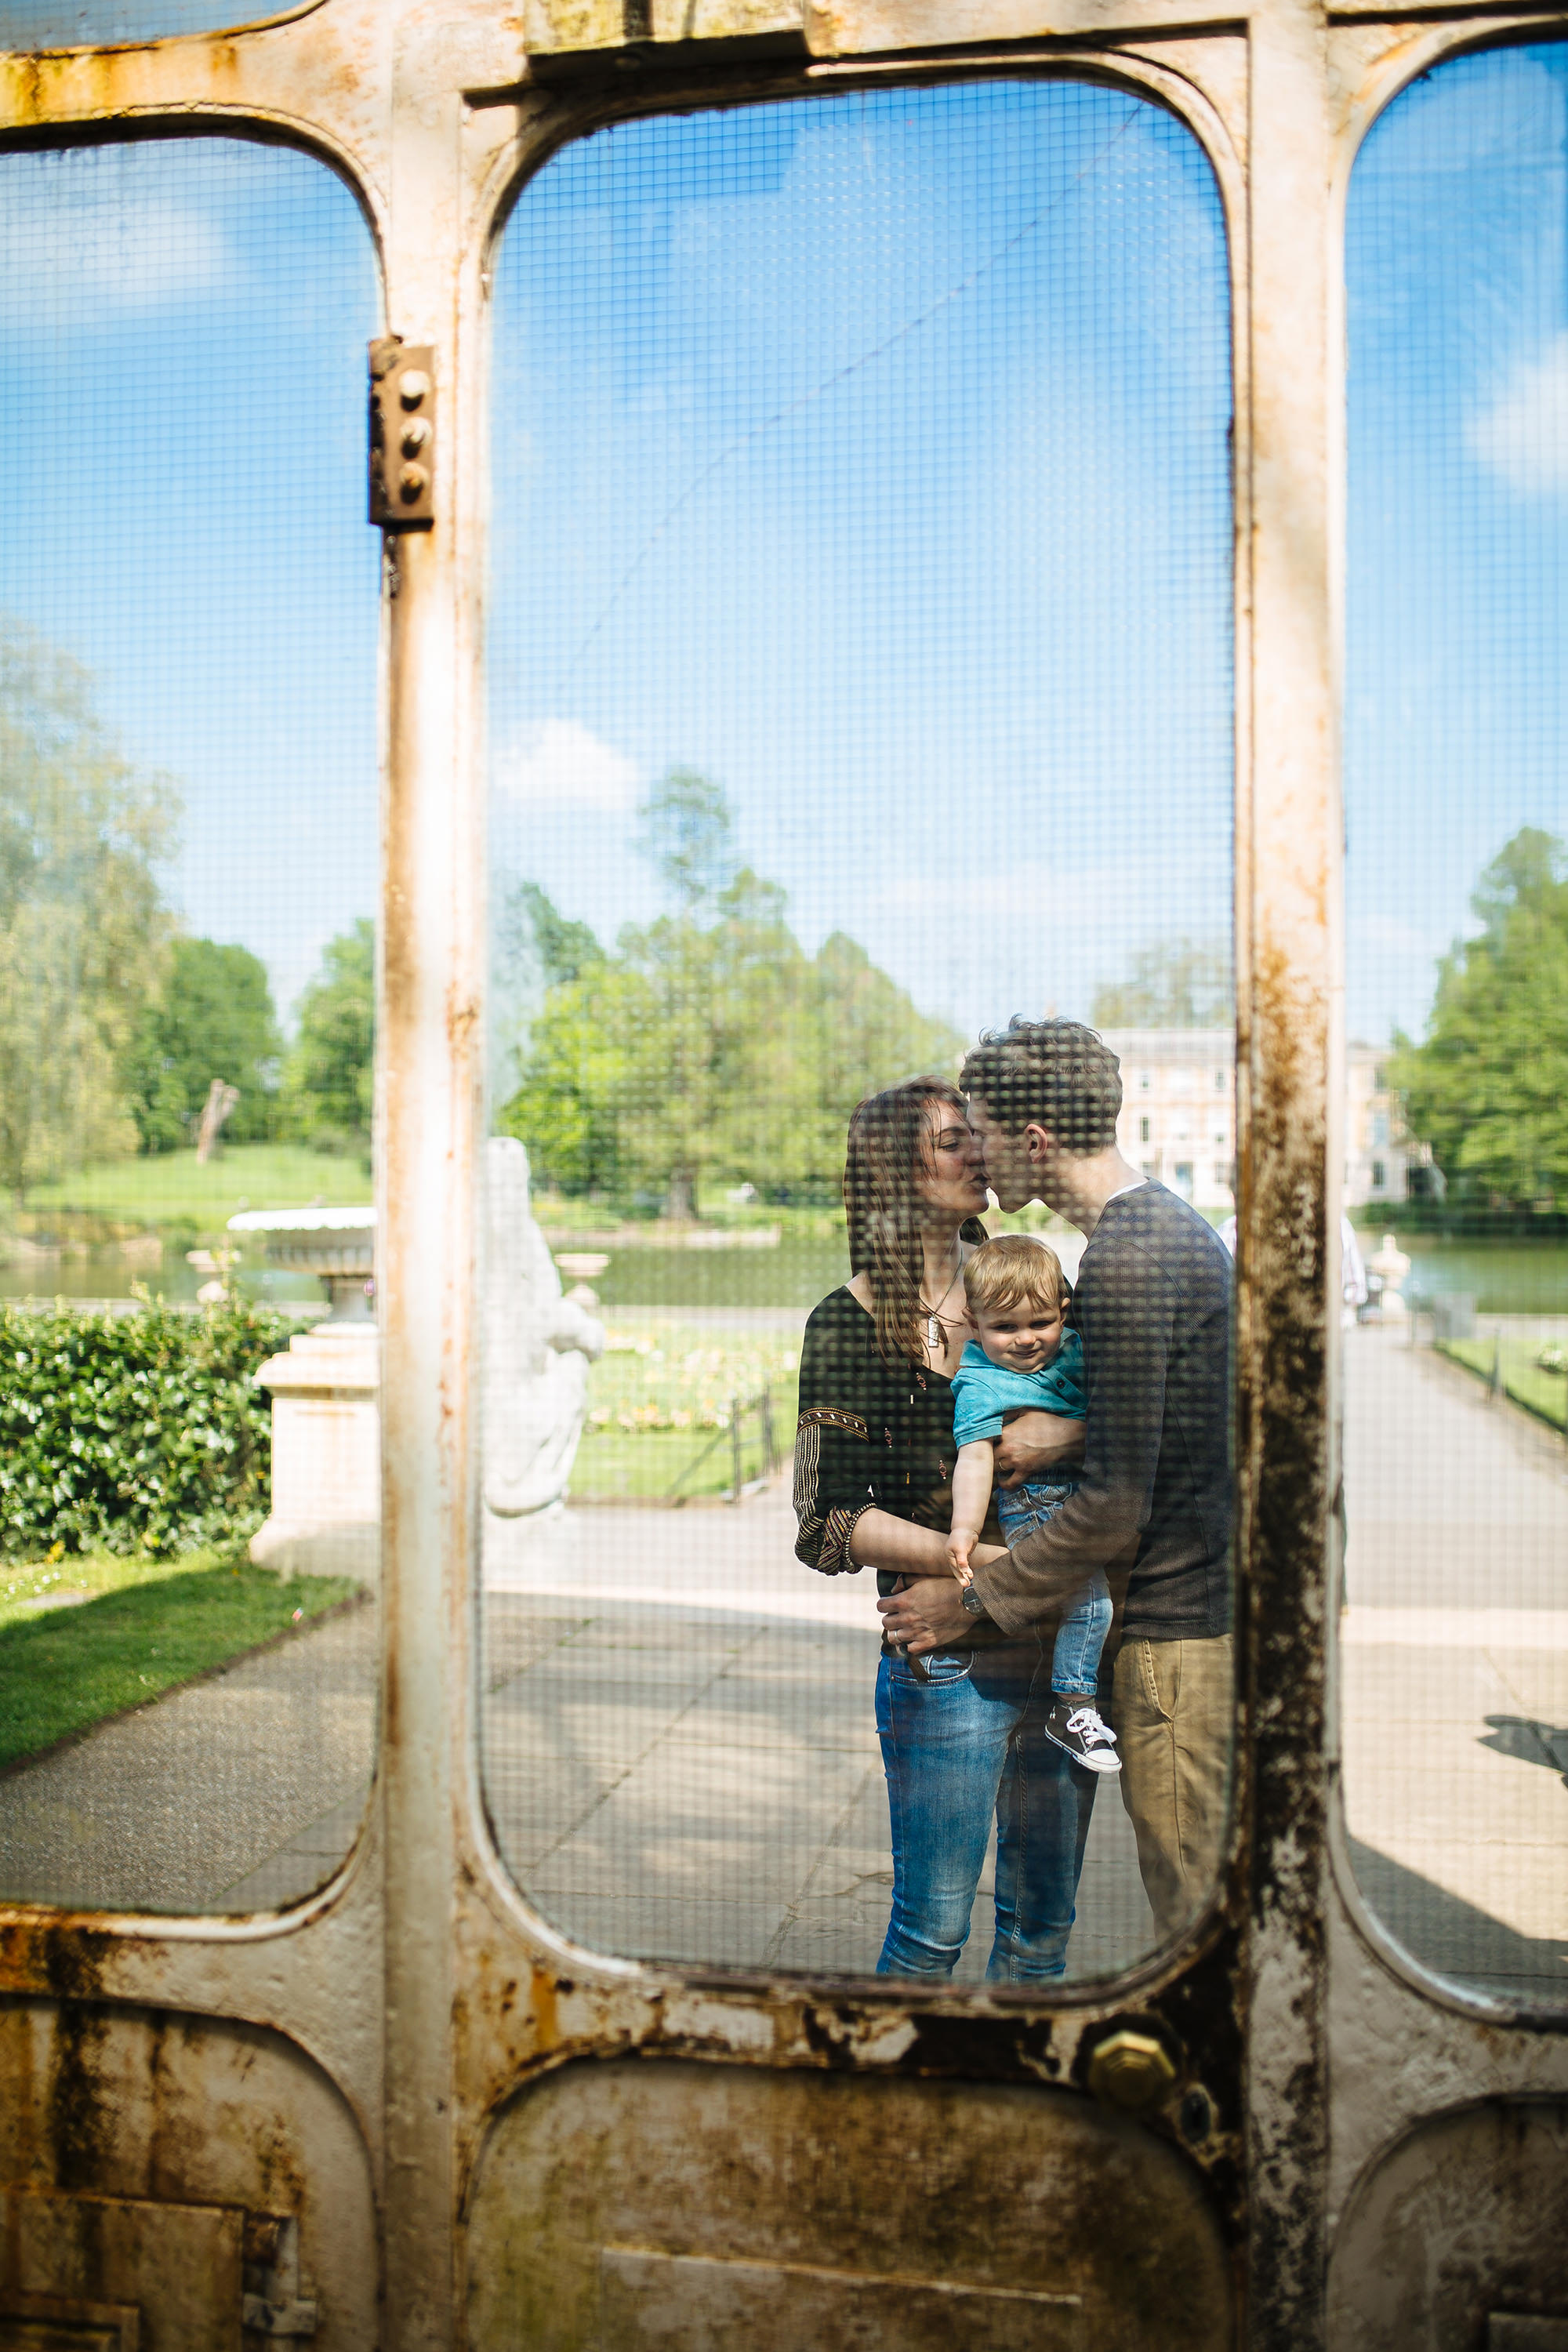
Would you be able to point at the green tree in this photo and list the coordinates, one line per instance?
(329, 1073)
(1177, 983)
(684, 826)
(1487, 1087)
(213, 1018)
(83, 935)
(709, 1046)
(533, 948)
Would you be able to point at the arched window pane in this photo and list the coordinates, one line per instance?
(188, 619)
(1456, 1637)
(860, 677)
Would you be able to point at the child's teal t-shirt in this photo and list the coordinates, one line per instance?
(983, 1391)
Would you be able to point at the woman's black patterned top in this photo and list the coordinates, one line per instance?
(872, 1436)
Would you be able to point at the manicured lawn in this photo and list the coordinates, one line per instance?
(170, 1189)
(612, 1466)
(1542, 1394)
(149, 1627)
(661, 1395)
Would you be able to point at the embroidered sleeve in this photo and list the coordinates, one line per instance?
(832, 1463)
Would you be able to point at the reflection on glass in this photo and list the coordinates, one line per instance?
(187, 863)
(1456, 1637)
(861, 678)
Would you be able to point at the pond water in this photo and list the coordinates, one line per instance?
(1506, 1277)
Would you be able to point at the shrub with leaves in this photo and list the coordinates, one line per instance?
(133, 1433)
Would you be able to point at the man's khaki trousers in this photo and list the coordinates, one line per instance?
(1173, 1709)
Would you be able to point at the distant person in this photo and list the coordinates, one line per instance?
(1154, 1502)
(1024, 1358)
(962, 1728)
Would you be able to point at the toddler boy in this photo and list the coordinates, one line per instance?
(1026, 1357)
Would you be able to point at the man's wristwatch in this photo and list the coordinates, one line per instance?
(973, 1604)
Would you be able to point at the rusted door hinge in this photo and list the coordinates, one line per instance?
(402, 434)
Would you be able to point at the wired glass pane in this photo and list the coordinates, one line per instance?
(188, 626)
(860, 672)
(1456, 1347)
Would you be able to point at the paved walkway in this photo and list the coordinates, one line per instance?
(680, 1759)
(680, 1750)
(236, 1793)
(1455, 1669)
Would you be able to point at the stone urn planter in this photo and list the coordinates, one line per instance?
(326, 1419)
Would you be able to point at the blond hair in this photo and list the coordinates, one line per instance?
(1012, 1270)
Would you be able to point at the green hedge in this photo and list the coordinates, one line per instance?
(132, 1432)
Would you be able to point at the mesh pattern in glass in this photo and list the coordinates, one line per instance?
(1456, 1393)
(189, 620)
(859, 666)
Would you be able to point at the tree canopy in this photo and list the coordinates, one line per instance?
(84, 936)
(213, 1018)
(1487, 1087)
(708, 1046)
(329, 1074)
(1176, 984)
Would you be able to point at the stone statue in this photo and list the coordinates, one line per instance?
(538, 1348)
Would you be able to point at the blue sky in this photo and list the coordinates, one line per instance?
(870, 455)
(1456, 684)
(182, 332)
(868, 452)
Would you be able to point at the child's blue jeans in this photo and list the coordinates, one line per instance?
(1081, 1636)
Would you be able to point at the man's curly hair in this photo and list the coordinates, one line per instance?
(1052, 1073)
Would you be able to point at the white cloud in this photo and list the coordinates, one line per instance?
(81, 248)
(563, 765)
(1523, 436)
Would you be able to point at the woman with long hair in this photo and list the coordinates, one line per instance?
(961, 1732)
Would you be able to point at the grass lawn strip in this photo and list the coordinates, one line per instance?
(1544, 1395)
(661, 1393)
(171, 1188)
(64, 1670)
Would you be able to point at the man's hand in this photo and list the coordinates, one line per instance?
(929, 1614)
(1033, 1443)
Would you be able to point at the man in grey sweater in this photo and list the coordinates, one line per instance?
(1152, 1305)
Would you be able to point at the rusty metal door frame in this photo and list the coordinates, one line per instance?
(417, 1981)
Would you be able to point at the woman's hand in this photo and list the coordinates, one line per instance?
(1034, 1443)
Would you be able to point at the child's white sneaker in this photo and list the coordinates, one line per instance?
(1085, 1735)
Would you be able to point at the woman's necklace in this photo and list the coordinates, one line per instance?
(936, 1331)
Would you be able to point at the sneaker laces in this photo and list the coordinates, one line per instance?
(1093, 1732)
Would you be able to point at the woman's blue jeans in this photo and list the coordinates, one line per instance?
(969, 1741)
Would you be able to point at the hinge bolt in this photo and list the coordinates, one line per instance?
(412, 386)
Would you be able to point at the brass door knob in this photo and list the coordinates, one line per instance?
(1130, 2070)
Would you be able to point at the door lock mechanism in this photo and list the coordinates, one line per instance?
(402, 434)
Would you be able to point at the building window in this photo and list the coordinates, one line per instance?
(1184, 1179)
(1145, 1082)
(1219, 1082)
(1379, 1176)
(1144, 1126)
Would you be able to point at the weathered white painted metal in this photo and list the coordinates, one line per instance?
(381, 2030)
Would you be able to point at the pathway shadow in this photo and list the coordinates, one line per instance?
(1531, 1742)
(1454, 1939)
